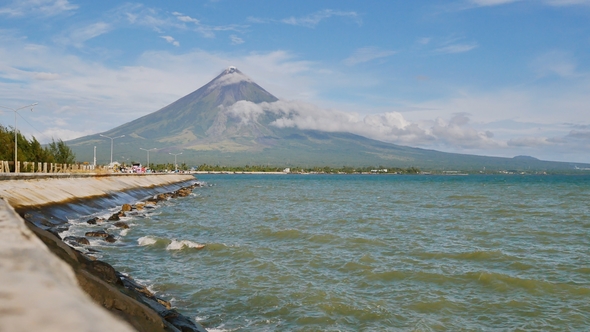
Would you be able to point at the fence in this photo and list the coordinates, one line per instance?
(36, 167)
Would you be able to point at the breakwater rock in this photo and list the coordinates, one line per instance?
(41, 276)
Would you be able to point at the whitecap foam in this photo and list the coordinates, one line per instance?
(179, 245)
(124, 232)
(146, 240)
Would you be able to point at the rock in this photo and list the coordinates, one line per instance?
(95, 220)
(164, 303)
(102, 283)
(106, 236)
(163, 197)
(75, 240)
(182, 322)
(139, 206)
(126, 207)
(62, 227)
(183, 192)
(121, 224)
(96, 234)
(115, 217)
(46, 223)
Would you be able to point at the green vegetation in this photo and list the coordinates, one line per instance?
(32, 150)
(324, 170)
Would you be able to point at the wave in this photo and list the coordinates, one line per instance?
(179, 245)
(146, 240)
(469, 255)
(507, 283)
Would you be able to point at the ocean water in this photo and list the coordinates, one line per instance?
(367, 252)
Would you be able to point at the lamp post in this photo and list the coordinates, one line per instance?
(15, 110)
(175, 165)
(112, 139)
(148, 155)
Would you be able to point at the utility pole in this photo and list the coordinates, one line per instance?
(15, 110)
(175, 164)
(112, 139)
(148, 156)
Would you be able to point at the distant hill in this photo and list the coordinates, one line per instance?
(206, 128)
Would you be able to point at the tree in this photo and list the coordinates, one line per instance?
(62, 153)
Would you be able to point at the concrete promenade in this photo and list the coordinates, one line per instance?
(34, 189)
(38, 290)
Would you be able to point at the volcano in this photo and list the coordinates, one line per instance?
(233, 121)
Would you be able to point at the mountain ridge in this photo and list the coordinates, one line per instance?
(221, 122)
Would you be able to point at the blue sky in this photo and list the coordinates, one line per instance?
(489, 77)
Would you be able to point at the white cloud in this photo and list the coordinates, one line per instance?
(37, 7)
(235, 40)
(424, 40)
(229, 79)
(171, 40)
(485, 3)
(257, 20)
(62, 133)
(457, 48)
(557, 3)
(457, 133)
(388, 127)
(79, 35)
(579, 134)
(312, 20)
(245, 110)
(558, 63)
(529, 142)
(367, 54)
(567, 2)
(185, 18)
(46, 76)
(139, 15)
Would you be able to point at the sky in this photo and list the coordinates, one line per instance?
(487, 77)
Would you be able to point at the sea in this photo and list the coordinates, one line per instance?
(365, 252)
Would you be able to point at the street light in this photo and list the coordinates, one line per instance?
(15, 110)
(175, 165)
(148, 155)
(112, 139)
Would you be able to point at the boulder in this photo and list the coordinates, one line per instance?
(116, 216)
(163, 197)
(76, 240)
(139, 206)
(106, 236)
(121, 224)
(96, 234)
(126, 207)
(184, 192)
(95, 220)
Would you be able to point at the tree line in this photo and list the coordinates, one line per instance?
(32, 151)
(318, 169)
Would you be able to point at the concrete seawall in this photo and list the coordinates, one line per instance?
(26, 190)
(47, 286)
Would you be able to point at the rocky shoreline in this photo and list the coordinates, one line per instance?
(118, 293)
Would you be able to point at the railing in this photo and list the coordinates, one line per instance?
(37, 167)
